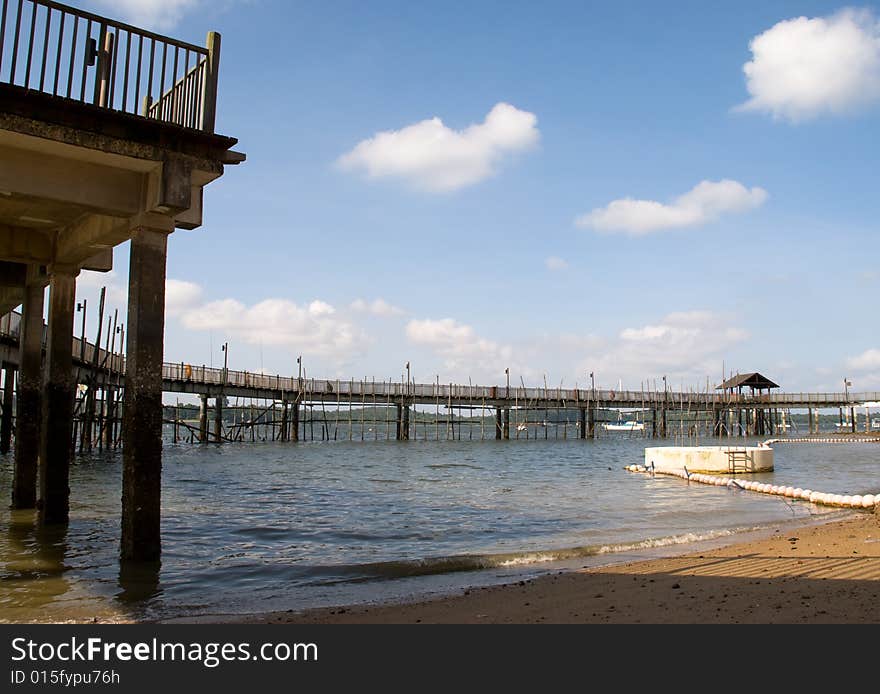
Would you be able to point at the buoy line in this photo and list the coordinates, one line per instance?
(875, 439)
(864, 501)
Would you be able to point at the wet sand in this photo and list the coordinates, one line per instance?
(819, 574)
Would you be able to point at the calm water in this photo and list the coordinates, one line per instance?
(250, 527)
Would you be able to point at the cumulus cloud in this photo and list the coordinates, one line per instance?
(705, 202)
(159, 14)
(459, 345)
(377, 307)
(180, 296)
(867, 360)
(555, 264)
(313, 328)
(806, 67)
(685, 345)
(433, 157)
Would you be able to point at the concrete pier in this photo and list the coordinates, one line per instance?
(57, 425)
(499, 425)
(582, 423)
(505, 425)
(29, 403)
(8, 400)
(142, 420)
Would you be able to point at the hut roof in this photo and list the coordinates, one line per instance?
(752, 380)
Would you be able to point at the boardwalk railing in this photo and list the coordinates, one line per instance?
(66, 52)
(182, 373)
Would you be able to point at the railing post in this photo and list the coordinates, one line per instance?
(105, 63)
(209, 89)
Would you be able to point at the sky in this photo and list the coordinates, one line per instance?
(633, 189)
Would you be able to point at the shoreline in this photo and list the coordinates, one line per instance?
(826, 571)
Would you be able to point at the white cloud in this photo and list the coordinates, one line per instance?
(158, 14)
(459, 345)
(433, 157)
(555, 264)
(869, 359)
(314, 328)
(805, 67)
(377, 307)
(683, 346)
(705, 202)
(180, 296)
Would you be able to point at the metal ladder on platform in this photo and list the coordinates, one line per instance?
(738, 461)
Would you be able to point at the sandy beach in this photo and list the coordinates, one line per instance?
(818, 574)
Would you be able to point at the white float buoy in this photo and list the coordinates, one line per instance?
(856, 501)
(868, 500)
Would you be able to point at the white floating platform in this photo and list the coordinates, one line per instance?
(727, 459)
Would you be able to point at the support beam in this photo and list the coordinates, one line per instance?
(142, 419)
(591, 420)
(499, 426)
(405, 424)
(29, 403)
(55, 439)
(582, 423)
(8, 399)
(506, 423)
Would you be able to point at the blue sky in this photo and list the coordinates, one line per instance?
(472, 244)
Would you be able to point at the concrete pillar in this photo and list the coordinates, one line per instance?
(716, 422)
(57, 425)
(499, 426)
(29, 403)
(505, 425)
(663, 422)
(582, 423)
(218, 419)
(591, 422)
(6, 418)
(654, 432)
(142, 422)
(203, 418)
(852, 419)
(294, 420)
(405, 423)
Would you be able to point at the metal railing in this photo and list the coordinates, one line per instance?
(182, 372)
(66, 52)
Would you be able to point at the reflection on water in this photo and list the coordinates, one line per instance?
(258, 526)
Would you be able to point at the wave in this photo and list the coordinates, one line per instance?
(429, 566)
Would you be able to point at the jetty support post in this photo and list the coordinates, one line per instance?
(29, 403)
(505, 425)
(284, 434)
(582, 423)
(218, 419)
(203, 418)
(142, 415)
(8, 400)
(60, 387)
(499, 426)
(294, 419)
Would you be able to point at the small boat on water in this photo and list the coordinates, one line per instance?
(624, 425)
